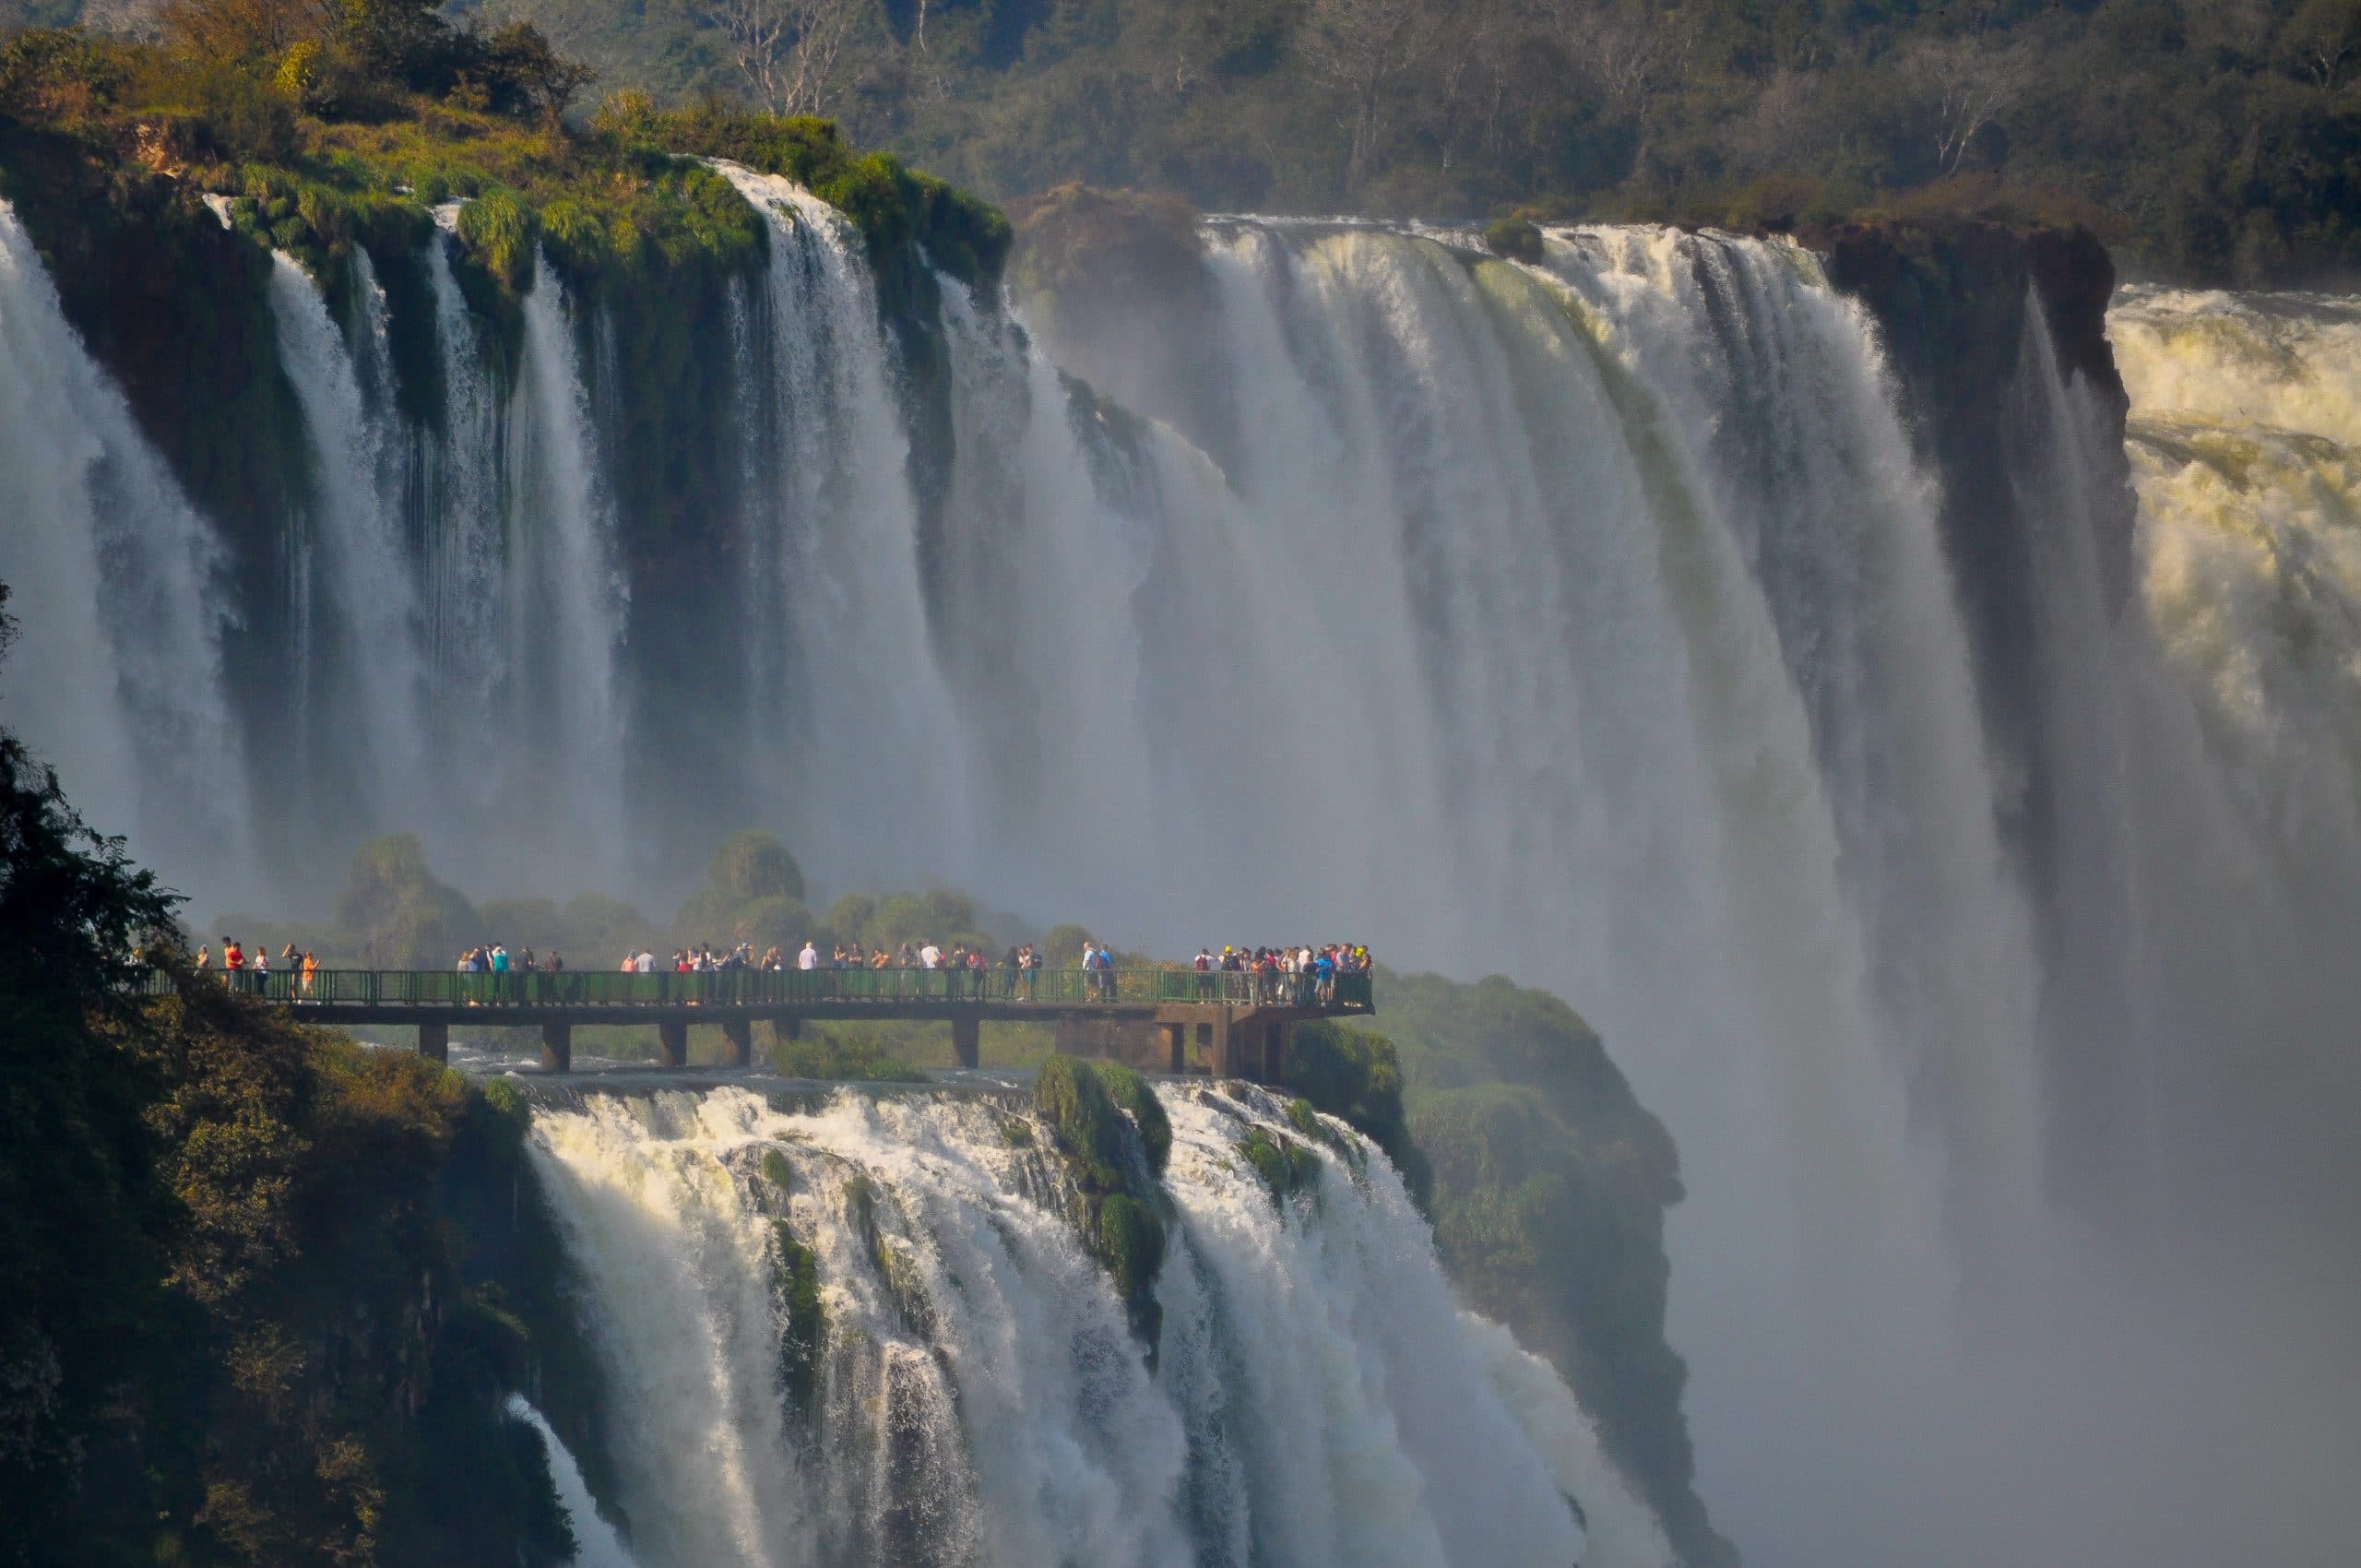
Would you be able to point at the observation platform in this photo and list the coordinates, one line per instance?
(1237, 1022)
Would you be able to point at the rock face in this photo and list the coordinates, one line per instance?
(1956, 304)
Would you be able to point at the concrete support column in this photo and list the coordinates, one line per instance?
(1218, 1060)
(557, 1048)
(1176, 1048)
(434, 1041)
(739, 1033)
(672, 1043)
(966, 1039)
(1205, 1033)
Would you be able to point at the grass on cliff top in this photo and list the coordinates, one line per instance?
(626, 195)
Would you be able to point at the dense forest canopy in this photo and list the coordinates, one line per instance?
(2214, 140)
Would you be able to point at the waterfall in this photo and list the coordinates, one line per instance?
(562, 723)
(463, 502)
(371, 684)
(596, 1543)
(1585, 620)
(978, 1395)
(853, 706)
(2245, 445)
(472, 592)
(116, 680)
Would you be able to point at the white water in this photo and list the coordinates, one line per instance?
(456, 591)
(836, 607)
(1584, 622)
(116, 679)
(563, 721)
(1318, 1398)
(2245, 444)
(596, 1543)
(365, 600)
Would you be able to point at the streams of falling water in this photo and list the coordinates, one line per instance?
(980, 1397)
(116, 680)
(1584, 621)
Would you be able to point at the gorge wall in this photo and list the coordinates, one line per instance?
(1755, 645)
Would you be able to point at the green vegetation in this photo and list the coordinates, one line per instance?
(1112, 1134)
(1546, 1182)
(802, 1317)
(2217, 138)
(852, 1052)
(1284, 1166)
(236, 1324)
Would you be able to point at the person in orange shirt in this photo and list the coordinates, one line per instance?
(310, 966)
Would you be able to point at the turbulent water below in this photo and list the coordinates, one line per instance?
(979, 1394)
(1589, 620)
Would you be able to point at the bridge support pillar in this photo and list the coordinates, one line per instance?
(966, 1039)
(1218, 1060)
(739, 1033)
(557, 1048)
(434, 1041)
(672, 1043)
(1176, 1048)
(1205, 1033)
(1274, 1052)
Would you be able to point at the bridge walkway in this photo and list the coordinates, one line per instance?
(1237, 1022)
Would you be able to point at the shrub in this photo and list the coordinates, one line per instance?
(1517, 239)
(498, 231)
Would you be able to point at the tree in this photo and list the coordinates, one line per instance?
(1968, 83)
(230, 29)
(2324, 38)
(786, 50)
(79, 1199)
(1362, 47)
(520, 57)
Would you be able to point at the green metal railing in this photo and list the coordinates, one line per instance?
(395, 989)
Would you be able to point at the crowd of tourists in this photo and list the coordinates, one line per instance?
(1300, 976)
(244, 971)
(496, 959)
(1296, 975)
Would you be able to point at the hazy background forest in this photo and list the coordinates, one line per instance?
(2212, 141)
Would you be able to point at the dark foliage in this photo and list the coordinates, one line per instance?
(232, 1327)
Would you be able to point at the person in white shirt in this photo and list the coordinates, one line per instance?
(646, 962)
(810, 957)
(931, 956)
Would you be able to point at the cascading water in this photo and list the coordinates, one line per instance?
(465, 578)
(362, 613)
(975, 1391)
(2245, 445)
(562, 714)
(117, 681)
(1585, 620)
(839, 611)
(596, 1543)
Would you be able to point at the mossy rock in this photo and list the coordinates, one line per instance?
(777, 1172)
(1305, 1119)
(1516, 239)
(1119, 1218)
(1285, 1165)
(802, 1313)
(1131, 1242)
(1088, 1126)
